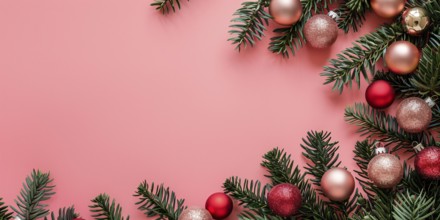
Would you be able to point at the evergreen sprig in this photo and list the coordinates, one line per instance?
(36, 189)
(409, 206)
(64, 214)
(4, 213)
(158, 201)
(249, 23)
(352, 14)
(103, 209)
(166, 6)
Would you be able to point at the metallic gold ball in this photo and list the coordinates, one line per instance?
(285, 12)
(321, 31)
(415, 20)
(387, 8)
(385, 170)
(337, 184)
(413, 115)
(195, 213)
(402, 57)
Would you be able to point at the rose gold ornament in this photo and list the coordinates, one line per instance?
(321, 31)
(337, 184)
(385, 169)
(195, 213)
(387, 8)
(414, 114)
(285, 12)
(402, 57)
(415, 20)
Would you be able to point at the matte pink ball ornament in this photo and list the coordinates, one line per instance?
(285, 12)
(337, 184)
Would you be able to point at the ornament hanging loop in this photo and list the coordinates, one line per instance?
(333, 15)
(379, 148)
(418, 146)
(430, 101)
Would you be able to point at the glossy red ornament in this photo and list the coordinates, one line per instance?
(284, 199)
(219, 205)
(427, 163)
(380, 94)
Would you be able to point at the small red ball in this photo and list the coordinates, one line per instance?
(380, 94)
(427, 163)
(219, 205)
(284, 199)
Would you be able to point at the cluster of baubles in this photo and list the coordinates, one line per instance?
(218, 206)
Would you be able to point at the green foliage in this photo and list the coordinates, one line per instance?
(159, 201)
(4, 213)
(103, 209)
(166, 6)
(64, 214)
(249, 23)
(409, 206)
(352, 14)
(36, 189)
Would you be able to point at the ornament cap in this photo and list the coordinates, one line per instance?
(380, 149)
(418, 147)
(333, 15)
(430, 101)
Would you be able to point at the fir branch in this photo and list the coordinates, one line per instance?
(408, 206)
(36, 189)
(4, 213)
(251, 195)
(249, 23)
(165, 6)
(355, 62)
(352, 14)
(103, 209)
(64, 214)
(159, 201)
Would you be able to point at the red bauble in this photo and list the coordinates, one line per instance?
(380, 94)
(427, 163)
(219, 205)
(284, 199)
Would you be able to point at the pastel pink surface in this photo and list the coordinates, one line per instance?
(107, 93)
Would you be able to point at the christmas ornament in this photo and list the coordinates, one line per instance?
(321, 31)
(402, 57)
(380, 94)
(195, 213)
(385, 170)
(337, 184)
(387, 8)
(285, 12)
(415, 20)
(284, 199)
(427, 162)
(219, 205)
(414, 114)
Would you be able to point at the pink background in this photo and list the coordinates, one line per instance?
(107, 93)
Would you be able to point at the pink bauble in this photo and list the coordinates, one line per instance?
(321, 31)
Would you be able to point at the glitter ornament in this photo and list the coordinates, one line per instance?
(285, 12)
(415, 20)
(195, 213)
(414, 114)
(380, 94)
(284, 199)
(387, 8)
(321, 31)
(337, 184)
(427, 162)
(219, 205)
(402, 57)
(385, 170)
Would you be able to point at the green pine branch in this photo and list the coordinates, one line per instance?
(158, 201)
(352, 14)
(103, 209)
(410, 206)
(249, 23)
(36, 189)
(166, 6)
(64, 214)
(4, 212)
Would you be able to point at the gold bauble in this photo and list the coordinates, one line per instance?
(387, 8)
(285, 12)
(402, 57)
(415, 20)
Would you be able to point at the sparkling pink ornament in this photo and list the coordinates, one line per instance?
(414, 114)
(385, 170)
(321, 31)
(284, 199)
(195, 213)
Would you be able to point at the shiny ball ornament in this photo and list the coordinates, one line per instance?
(427, 163)
(385, 170)
(413, 115)
(387, 8)
(380, 94)
(195, 213)
(415, 20)
(284, 199)
(321, 31)
(402, 57)
(219, 205)
(337, 184)
(285, 12)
